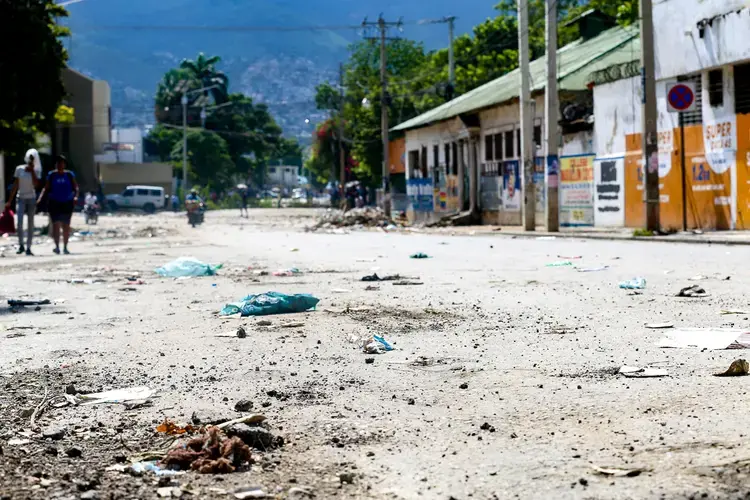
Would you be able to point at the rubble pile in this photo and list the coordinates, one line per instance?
(356, 217)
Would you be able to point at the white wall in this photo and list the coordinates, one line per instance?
(130, 136)
(284, 175)
(681, 50)
(435, 135)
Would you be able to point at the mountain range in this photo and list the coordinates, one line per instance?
(264, 49)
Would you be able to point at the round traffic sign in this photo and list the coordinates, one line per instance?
(681, 97)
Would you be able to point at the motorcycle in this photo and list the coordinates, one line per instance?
(91, 213)
(195, 212)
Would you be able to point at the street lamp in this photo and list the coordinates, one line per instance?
(184, 102)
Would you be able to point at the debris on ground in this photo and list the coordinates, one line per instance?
(733, 311)
(130, 395)
(16, 303)
(150, 466)
(559, 263)
(393, 277)
(659, 326)
(341, 290)
(693, 291)
(376, 345)
(591, 269)
(706, 338)
(407, 283)
(271, 303)
(738, 368)
(255, 436)
(371, 288)
(362, 217)
(638, 372)
(419, 255)
(185, 267)
(618, 471)
(243, 405)
(634, 284)
(172, 429)
(210, 453)
(250, 492)
(292, 271)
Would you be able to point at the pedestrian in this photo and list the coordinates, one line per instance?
(243, 201)
(24, 186)
(62, 195)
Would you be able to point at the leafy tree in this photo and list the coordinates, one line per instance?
(203, 71)
(208, 159)
(161, 141)
(30, 64)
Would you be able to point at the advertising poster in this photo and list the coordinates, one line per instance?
(610, 191)
(577, 191)
(539, 186)
(511, 196)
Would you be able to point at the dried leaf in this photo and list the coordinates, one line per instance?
(172, 429)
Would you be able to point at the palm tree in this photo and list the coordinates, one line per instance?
(203, 71)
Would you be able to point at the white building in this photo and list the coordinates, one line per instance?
(283, 176)
(126, 146)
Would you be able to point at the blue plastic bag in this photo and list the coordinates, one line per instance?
(187, 267)
(268, 303)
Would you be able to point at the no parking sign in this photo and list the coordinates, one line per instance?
(681, 97)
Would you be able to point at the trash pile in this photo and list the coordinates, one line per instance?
(359, 217)
(271, 303)
(212, 452)
(187, 267)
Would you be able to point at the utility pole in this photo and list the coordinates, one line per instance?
(383, 26)
(649, 137)
(342, 156)
(451, 60)
(551, 109)
(527, 124)
(184, 145)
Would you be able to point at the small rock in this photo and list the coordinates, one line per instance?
(243, 405)
(370, 453)
(27, 412)
(71, 389)
(412, 402)
(90, 495)
(54, 433)
(241, 333)
(51, 450)
(347, 477)
(583, 481)
(208, 418)
(463, 386)
(301, 492)
(255, 437)
(74, 452)
(369, 361)
(487, 427)
(264, 322)
(513, 435)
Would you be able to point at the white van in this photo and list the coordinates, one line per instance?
(147, 198)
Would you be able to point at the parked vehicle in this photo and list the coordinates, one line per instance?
(196, 211)
(91, 213)
(146, 198)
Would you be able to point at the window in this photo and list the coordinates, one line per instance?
(716, 88)
(509, 145)
(141, 192)
(155, 192)
(537, 136)
(454, 156)
(436, 163)
(272, 170)
(447, 148)
(741, 89)
(128, 193)
(413, 164)
(498, 139)
(518, 143)
(488, 156)
(423, 162)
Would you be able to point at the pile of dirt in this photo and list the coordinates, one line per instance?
(356, 217)
(210, 453)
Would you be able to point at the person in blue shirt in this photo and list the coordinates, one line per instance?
(193, 196)
(62, 195)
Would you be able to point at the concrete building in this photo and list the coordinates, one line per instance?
(704, 155)
(126, 146)
(481, 130)
(285, 176)
(87, 137)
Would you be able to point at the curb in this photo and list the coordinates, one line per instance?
(611, 237)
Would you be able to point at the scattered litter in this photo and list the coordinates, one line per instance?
(15, 335)
(694, 291)
(172, 429)
(371, 288)
(634, 284)
(738, 368)
(419, 255)
(18, 442)
(393, 277)
(732, 311)
(292, 271)
(407, 283)
(698, 278)
(376, 345)
(151, 466)
(591, 269)
(117, 396)
(251, 492)
(85, 281)
(575, 257)
(371, 278)
(637, 372)
(659, 326)
(364, 217)
(560, 330)
(706, 338)
(28, 303)
(559, 263)
(291, 325)
(618, 471)
(241, 333)
(210, 453)
(341, 290)
(169, 492)
(187, 267)
(271, 303)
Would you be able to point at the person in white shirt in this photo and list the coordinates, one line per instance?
(25, 183)
(91, 199)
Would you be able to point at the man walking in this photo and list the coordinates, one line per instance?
(24, 186)
(62, 194)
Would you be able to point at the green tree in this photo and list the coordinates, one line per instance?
(31, 63)
(203, 71)
(161, 141)
(208, 159)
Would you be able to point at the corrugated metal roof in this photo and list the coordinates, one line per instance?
(575, 62)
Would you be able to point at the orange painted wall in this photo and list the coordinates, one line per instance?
(743, 171)
(397, 155)
(708, 193)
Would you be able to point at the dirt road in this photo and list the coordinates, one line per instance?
(503, 382)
